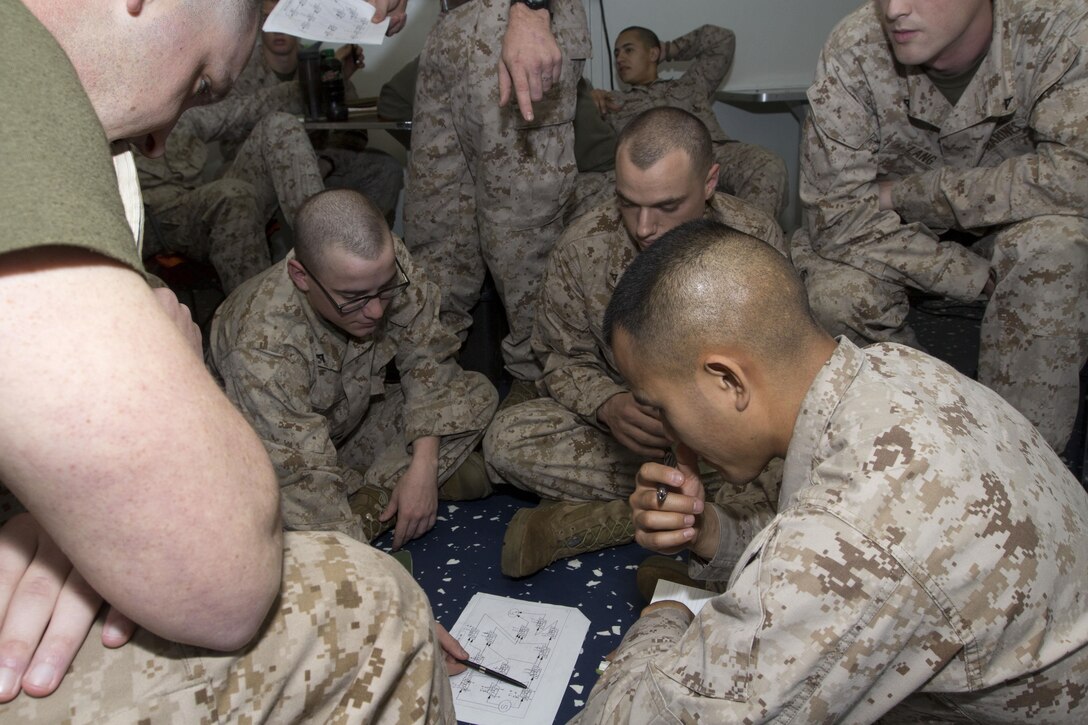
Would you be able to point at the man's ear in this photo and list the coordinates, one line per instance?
(728, 376)
(298, 275)
(710, 184)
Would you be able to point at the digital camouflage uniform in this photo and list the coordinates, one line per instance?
(749, 172)
(350, 639)
(1007, 163)
(224, 220)
(375, 174)
(554, 445)
(927, 559)
(485, 186)
(320, 401)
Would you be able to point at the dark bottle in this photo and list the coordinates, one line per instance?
(309, 82)
(332, 87)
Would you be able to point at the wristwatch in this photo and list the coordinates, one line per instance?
(534, 4)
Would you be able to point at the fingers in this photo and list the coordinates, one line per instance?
(48, 610)
(645, 451)
(411, 527)
(525, 92)
(687, 462)
(75, 611)
(451, 649)
(182, 318)
(117, 630)
(668, 525)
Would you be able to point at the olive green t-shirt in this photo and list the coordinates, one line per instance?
(57, 182)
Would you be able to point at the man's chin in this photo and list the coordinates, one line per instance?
(147, 145)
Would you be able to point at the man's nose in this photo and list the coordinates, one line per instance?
(647, 223)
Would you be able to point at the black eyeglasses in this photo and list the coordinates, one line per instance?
(357, 303)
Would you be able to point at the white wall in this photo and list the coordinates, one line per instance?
(778, 42)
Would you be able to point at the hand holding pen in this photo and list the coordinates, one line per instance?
(668, 501)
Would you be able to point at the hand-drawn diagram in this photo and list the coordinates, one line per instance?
(336, 21)
(536, 644)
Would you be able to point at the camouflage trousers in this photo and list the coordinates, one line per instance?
(349, 640)
(754, 174)
(224, 221)
(486, 190)
(542, 447)
(1034, 336)
(374, 174)
(380, 446)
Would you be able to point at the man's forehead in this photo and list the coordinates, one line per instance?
(629, 38)
(667, 177)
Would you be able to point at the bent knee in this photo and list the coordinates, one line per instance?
(1059, 242)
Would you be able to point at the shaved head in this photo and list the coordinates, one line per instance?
(659, 131)
(339, 218)
(703, 285)
(647, 37)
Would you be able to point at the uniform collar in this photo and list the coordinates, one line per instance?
(820, 402)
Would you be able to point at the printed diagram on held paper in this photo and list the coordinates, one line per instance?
(536, 644)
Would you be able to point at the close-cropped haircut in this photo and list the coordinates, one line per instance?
(340, 218)
(657, 132)
(645, 36)
(704, 283)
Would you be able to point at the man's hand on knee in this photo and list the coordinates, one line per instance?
(47, 607)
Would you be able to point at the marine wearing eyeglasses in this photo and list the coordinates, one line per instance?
(304, 350)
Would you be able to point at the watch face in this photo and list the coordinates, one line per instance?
(534, 4)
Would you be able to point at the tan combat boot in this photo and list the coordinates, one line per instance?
(369, 502)
(469, 482)
(558, 529)
(655, 568)
(521, 391)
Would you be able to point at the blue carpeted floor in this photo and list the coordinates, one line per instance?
(460, 556)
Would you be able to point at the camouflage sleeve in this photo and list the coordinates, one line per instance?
(711, 48)
(839, 194)
(574, 374)
(1053, 180)
(818, 626)
(314, 488)
(742, 513)
(440, 398)
(233, 118)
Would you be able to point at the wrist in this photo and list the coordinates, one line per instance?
(707, 534)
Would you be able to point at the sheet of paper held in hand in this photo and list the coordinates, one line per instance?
(330, 21)
(536, 644)
(691, 597)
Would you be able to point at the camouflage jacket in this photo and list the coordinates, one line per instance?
(256, 93)
(1014, 147)
(582, 272)
(305, 386)
(710, 49)
(928, 541)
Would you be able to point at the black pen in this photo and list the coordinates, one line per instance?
(488, 671)
(662, 489)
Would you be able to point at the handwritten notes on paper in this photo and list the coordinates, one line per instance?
(534, 643)
(330, 21)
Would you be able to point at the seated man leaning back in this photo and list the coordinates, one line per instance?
(580, 446)
(306, 349)
(927, 560)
